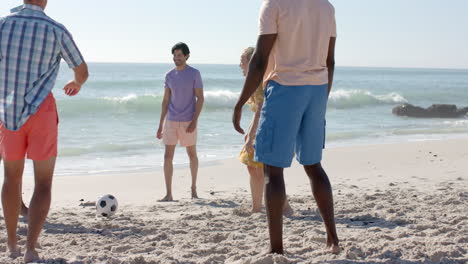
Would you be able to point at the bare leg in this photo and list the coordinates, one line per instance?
(322, 191)
(192, 153)
(257, 185)
(275, 196)
(287, 209)
(40, 205)
(11, 201)
(257, 182)
(168, 171)
(24, 209)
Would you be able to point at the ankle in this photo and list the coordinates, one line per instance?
(12, 242)
(256, 209)
(30, 248)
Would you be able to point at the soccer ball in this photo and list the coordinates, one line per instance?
(106, 205)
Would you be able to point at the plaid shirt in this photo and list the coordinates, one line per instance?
(31, 48)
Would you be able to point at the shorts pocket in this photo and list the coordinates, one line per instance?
(264, 140)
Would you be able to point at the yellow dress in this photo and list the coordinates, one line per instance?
(244, 156)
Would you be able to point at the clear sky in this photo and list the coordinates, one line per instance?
(384, 33)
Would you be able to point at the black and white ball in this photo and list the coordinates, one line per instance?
(106, 205)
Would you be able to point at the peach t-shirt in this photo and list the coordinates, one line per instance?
(304, 28)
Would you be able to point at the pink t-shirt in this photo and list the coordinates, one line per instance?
(304, 28)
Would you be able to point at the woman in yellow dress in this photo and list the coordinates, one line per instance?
(246, 156)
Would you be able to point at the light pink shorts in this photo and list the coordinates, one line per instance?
(174, 132)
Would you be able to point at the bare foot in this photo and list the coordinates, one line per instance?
(167, 198)
(15, 251)
(194, 193)
(333, 249)
(256, 210)
(272, 252)
(31, 256)
(287, 210)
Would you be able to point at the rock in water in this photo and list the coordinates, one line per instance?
(434, 111)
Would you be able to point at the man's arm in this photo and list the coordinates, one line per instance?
(198, 109)
(164, 109)
(331, 63)
(257, 68)
(73, 87)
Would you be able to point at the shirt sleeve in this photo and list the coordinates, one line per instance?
(198, 84)
(2, 21)
(268, 18)
(69, 51)
(166, 82)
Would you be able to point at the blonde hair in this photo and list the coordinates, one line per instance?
(248, 52)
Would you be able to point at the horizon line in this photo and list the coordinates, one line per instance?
(347, 66)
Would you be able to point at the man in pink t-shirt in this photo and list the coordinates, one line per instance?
(294, 59)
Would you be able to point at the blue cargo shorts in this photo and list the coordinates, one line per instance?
(292, 122)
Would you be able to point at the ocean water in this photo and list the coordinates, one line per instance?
(110, 126)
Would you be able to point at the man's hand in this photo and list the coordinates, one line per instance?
(159, 134)
(236, 118)
(192, 127)
(72, 88)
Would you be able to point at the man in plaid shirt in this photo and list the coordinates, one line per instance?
(31, 48)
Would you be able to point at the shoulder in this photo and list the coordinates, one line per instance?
(329, 7)
(58, 26)
(194, 71)
(276, 3)
(169, 73)
(5, 19)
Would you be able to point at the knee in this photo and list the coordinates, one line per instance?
(314, 170)
(43, 187)
(168, 157)
(275, 182)
(316, 167)
(316, 173)
(255, 172)
(193, 156)
(12, 181)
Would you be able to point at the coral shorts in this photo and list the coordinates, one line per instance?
(37, 138)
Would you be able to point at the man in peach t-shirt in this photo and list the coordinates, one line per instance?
(295, 61)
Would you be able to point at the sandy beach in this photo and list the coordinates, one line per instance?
(394, 203)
